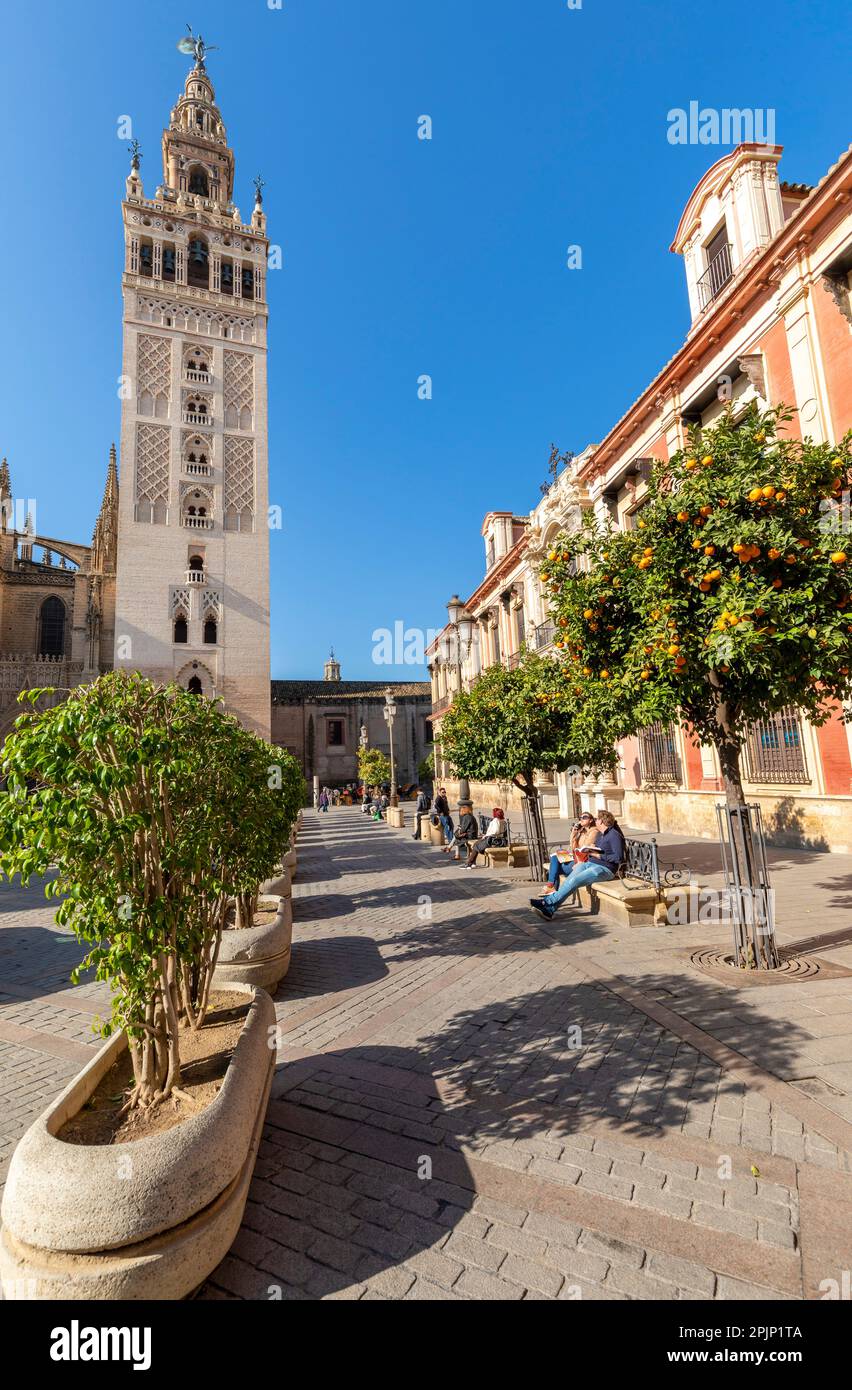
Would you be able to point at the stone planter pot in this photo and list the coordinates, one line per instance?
(396, 816)
(278, 886)
(288, 861)
(436, 834)
(258, 955)
(149, 1219)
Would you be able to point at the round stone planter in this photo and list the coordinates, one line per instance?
(396, 816)
(258, 955)
(288, 861)
(149, 1219)
(278, 886)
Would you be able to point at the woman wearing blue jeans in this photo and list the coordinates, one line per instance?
(603, 863)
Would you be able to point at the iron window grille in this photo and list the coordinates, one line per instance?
(775, 751)
(658, 759)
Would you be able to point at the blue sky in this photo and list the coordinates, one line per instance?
(402, 257)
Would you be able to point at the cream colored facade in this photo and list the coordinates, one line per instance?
(769, 280)
(193, 571)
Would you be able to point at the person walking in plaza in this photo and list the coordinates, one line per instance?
(583, 836)
(495, 834)
(605, 859)
(323, 801)
(421, 809)
(441, 809)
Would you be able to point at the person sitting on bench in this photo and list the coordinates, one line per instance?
(495, 834)
(466, 830)
(583, 835)
(605, 859)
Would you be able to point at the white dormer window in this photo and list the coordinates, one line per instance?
(718, 266)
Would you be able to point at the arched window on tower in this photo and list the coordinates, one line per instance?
(198, 182)
(168, 272)
(194, 685)
(210, 633)
(51, 637)
(181, 633)
(198, 267)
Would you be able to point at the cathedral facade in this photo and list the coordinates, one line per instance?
(57, 601)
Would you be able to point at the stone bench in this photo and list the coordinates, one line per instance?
(516, 856)
(643, 905)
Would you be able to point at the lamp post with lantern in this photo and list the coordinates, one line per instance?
(461, 624)
(363, 740)
(389, 712)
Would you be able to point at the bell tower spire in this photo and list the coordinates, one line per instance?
(197, 160)
(192, 573)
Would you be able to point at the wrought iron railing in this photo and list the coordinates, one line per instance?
(658, 759)
(716, 276)
(774, 750)
(543, 635)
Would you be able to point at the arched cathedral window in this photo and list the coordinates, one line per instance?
(51, 639)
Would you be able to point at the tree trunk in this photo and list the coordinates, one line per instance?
(533, 824)
(748, 884)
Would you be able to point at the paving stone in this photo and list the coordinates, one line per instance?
(613, 1249)
(434, 1265)
(475, 1283)
(608, 1186)
(773, 1233)
(532, 1275)
(683, 1274)
(665, 1202)
(576, 1264)
(474, 1252)
(425, 1291)
(721, 1219)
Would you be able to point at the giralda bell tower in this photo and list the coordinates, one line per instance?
(192, 600)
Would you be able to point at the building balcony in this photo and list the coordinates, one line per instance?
(196, 576)
(543, 635)
(715, 277)
(203, 378)
(198, 523)
(190, 418)
(197, 470)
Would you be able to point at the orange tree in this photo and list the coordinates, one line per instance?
(514, 723)
(728, 601)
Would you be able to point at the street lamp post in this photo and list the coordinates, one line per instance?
(461, 623)
(362, 744)
(390, 715)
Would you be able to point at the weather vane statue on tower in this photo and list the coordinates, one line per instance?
(195, 46)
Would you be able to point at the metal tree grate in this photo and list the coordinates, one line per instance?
(747, 881)
(536, 837)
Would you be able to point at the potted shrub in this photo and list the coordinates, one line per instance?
(258, 927)
(133, 1182)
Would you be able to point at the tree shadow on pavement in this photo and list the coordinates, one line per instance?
(326, 965)
(405, 898)
(336, 1201)
(543, 1064)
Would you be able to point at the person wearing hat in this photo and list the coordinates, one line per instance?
(467, 828)
(495, 834)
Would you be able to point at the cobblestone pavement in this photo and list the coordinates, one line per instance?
(470, 1103)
